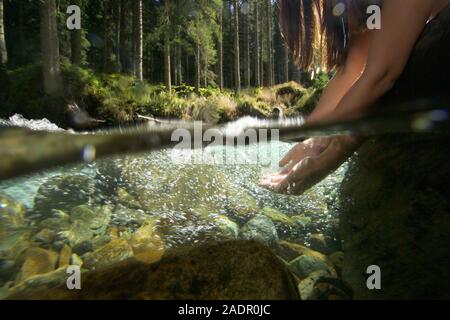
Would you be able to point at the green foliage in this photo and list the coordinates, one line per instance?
(320, 81)
(120, 98)
(22, 91)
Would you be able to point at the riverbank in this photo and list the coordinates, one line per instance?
(120, 99)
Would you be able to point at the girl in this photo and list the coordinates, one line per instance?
(368, 64)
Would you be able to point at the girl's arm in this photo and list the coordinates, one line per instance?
(344, 78)
(389, 50)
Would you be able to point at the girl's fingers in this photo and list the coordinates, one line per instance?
(287, 158)
(287, 169)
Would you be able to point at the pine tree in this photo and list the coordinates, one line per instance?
(50, 48)
(3, 51)
(237, 66)
(139, 40)
(167, 64)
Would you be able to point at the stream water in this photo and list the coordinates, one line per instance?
(87, 206)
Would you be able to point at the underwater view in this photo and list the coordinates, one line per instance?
(224, 150)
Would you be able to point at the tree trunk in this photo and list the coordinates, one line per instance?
(205, 70)
(3, 51)
(106, 48)
(197, 68)
(262, 43)
(126, 35)
(75, 44)
(139, 41)
(180, 66)
(247, 51)
(269, 44)
(50, 48)
(286, 64)
(118, 38)
(257, 46)
(237, 67)
(221, 84)
(22, 41)
(167, 64)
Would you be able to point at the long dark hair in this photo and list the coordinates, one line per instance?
(304, 21)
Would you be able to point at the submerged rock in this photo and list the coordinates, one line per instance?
(289, 251)
(283, 223)
(126, 217)
(87, 228)
(97, 219)
(44, 238)
(115, 251)
(227, 227)
(12, 217)
(260, 228)
(42, 281)
(306, 286)
(77, 234)
(304, 265)
(230, 270)
(395, 214)
(147, 245)
(64, 256)
(57, 222)
(337, 259)
(62, 193)
(37, 261)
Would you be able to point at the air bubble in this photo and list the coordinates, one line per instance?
(339, 9)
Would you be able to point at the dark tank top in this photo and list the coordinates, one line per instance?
(427, 73)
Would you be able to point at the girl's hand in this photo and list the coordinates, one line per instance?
(310, 162)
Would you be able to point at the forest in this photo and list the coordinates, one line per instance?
(211, 60)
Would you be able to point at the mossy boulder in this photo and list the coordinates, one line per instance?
(37, 261)
(304, 265)
(230, 270)
(395, 214)
(262, 229)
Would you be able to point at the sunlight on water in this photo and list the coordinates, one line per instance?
(206, 196)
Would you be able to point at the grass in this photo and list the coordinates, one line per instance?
(118, 98)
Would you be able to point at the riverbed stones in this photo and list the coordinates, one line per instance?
(37, 261)
(115, 251)
(77, 233)
(128, 217)
(64, 256)
(289, 251)
(12, 217)
(44, 238)
(146, 244)
(337, 259)
(283, 223)
(63, 193)
(260, 228)
(42, 281)
(58, 221)
(126, 199)
(96, 218)
(306, 286)
(228, 228)
(304, 265)
(228, 270)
